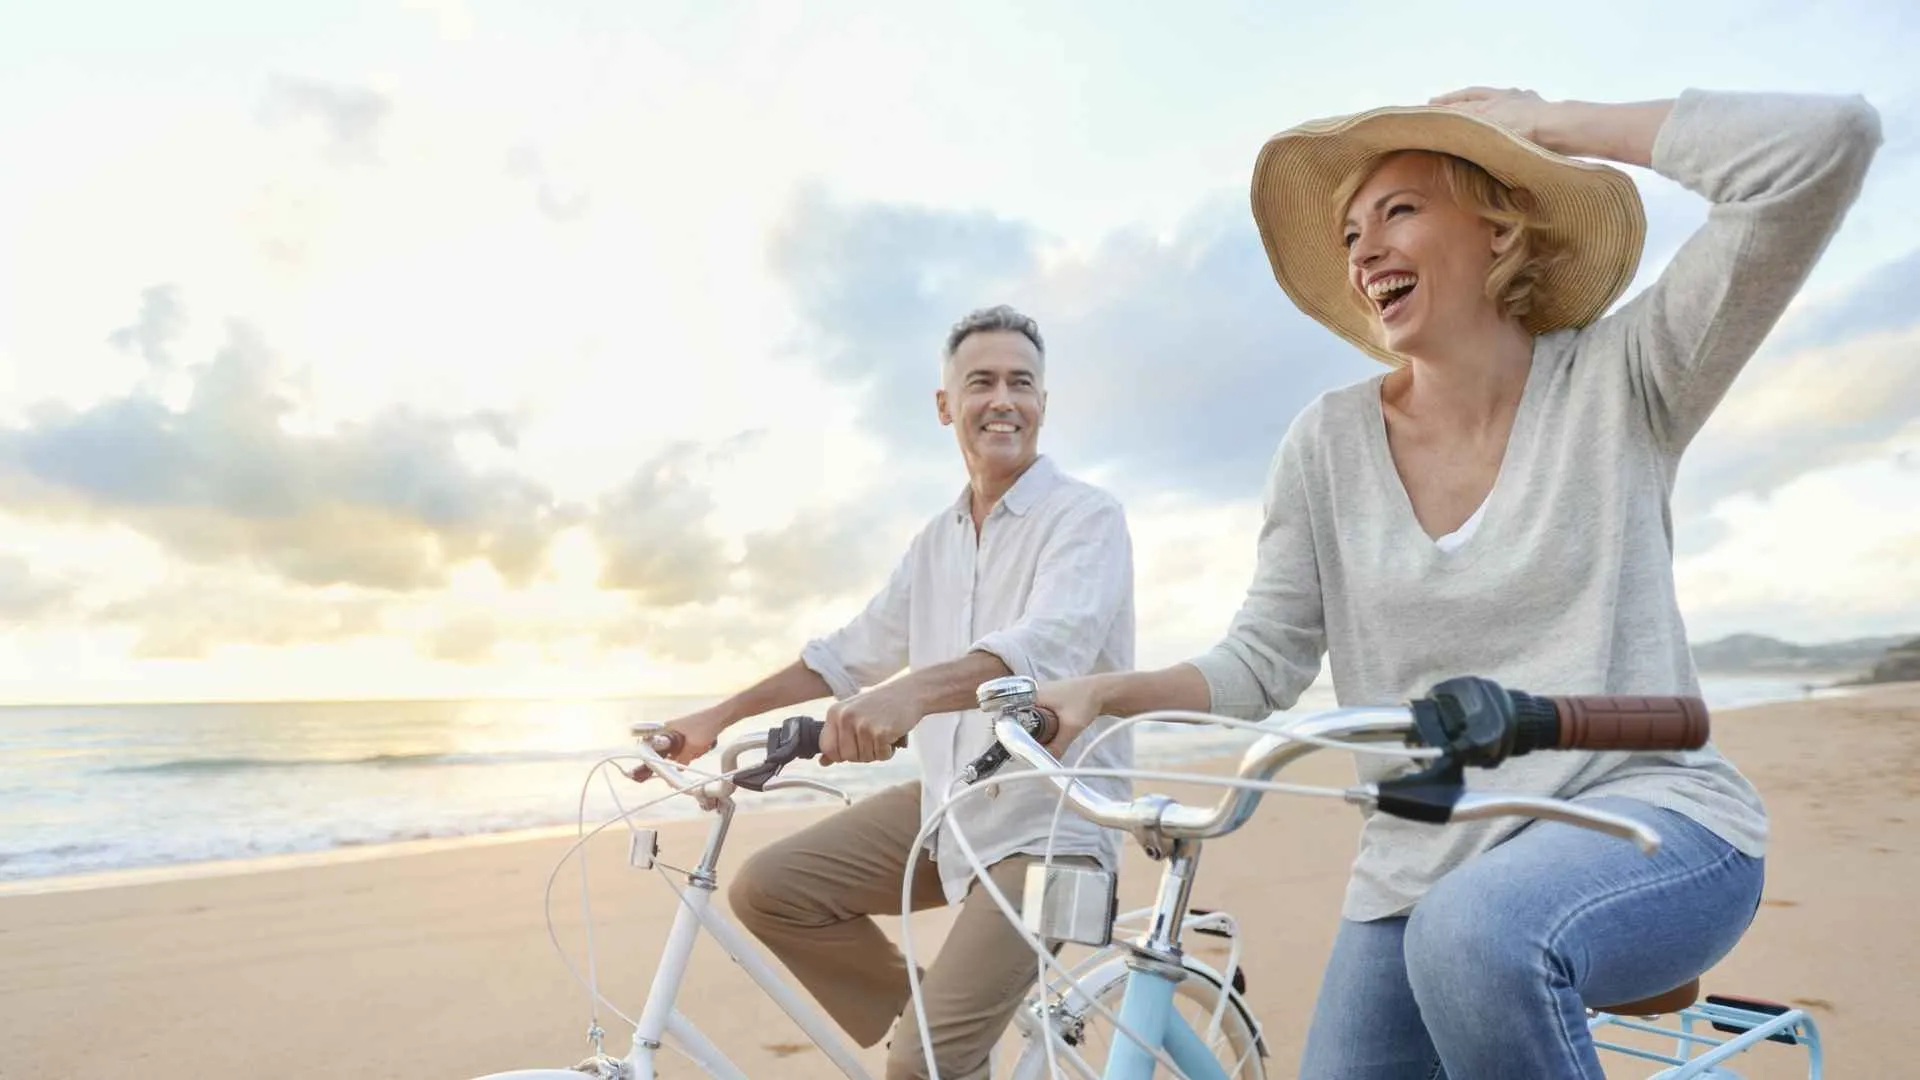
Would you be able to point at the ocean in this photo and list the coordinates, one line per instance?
(92, 788)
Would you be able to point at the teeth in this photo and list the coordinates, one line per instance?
(1001, 428)
(1391, 283)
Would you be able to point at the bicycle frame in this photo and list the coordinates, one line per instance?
(659, 1018)
(695, 912)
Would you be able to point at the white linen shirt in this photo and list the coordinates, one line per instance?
(1047, 587)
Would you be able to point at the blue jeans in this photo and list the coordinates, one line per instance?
(1490, 976)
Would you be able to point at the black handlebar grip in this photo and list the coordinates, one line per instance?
(806, 734)
(807, 737)
(1630, 722)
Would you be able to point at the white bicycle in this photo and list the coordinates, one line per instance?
(1067, 1010)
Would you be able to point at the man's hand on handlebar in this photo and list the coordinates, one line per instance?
(870, 725)
(697, 732)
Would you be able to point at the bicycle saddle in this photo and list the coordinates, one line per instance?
(1672, 1001)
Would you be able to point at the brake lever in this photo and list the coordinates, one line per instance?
(1039, 721)
(803, 782)
(1471, 807)
(796, 737)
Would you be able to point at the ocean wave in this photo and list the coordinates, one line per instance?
(139, 848)
(205, 765)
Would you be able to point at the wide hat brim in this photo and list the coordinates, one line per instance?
(1592, 211)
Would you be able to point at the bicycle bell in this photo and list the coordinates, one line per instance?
(1006, 692)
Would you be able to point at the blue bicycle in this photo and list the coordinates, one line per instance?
(1462, 723)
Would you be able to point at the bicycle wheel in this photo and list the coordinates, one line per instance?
(1234, 1040)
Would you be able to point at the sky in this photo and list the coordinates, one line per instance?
(404, 348)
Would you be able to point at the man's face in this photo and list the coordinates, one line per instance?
(994, 399)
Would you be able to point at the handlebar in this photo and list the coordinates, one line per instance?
(1467, 721)
(796, 738)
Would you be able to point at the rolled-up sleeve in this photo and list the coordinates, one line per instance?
(871, 647)
(1082, 581)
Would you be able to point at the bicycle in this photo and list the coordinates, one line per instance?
(661, 1024)
(1465, 722)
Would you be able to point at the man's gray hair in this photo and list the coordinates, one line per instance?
(989, 319)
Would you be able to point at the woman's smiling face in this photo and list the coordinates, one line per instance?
(1417, 258)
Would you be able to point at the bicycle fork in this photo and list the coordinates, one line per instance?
(1147, 1010)
(1154, 971)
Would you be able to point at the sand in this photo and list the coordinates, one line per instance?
(437, 964)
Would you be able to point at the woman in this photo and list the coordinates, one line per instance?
(1496, 504)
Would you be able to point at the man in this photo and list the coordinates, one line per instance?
(1028, 572)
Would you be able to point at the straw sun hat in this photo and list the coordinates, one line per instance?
(1593, 211)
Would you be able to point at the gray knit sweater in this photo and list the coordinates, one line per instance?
(1567, 586)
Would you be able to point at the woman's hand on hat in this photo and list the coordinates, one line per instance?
(1614, 132)
(1521, 111)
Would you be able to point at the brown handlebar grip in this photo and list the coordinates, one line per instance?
(1631, 722)
(1049, 724)
(674, 740)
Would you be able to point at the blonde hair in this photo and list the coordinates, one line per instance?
(1517, 271)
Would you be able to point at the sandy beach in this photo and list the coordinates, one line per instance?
(438, 964)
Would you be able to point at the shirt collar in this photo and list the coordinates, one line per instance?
(1040, 478)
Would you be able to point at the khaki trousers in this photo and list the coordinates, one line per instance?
(810, 898)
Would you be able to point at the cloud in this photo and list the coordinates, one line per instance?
(1882, 300)
(879, 285)
(1175, 363)
(1840, 384)
(745, 635)
(352, 116)
(1193, 561)
(465, 640)
(161, 319)
(197, 613)
(557, 203)
(661, 545)
(387, 503)
(452, 18)
(1181, 362)
(1829, 554)
(822, 554)
(26, 595)
(1178, 362)
(655, 534)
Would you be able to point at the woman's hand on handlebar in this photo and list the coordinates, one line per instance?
(1076, 703)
